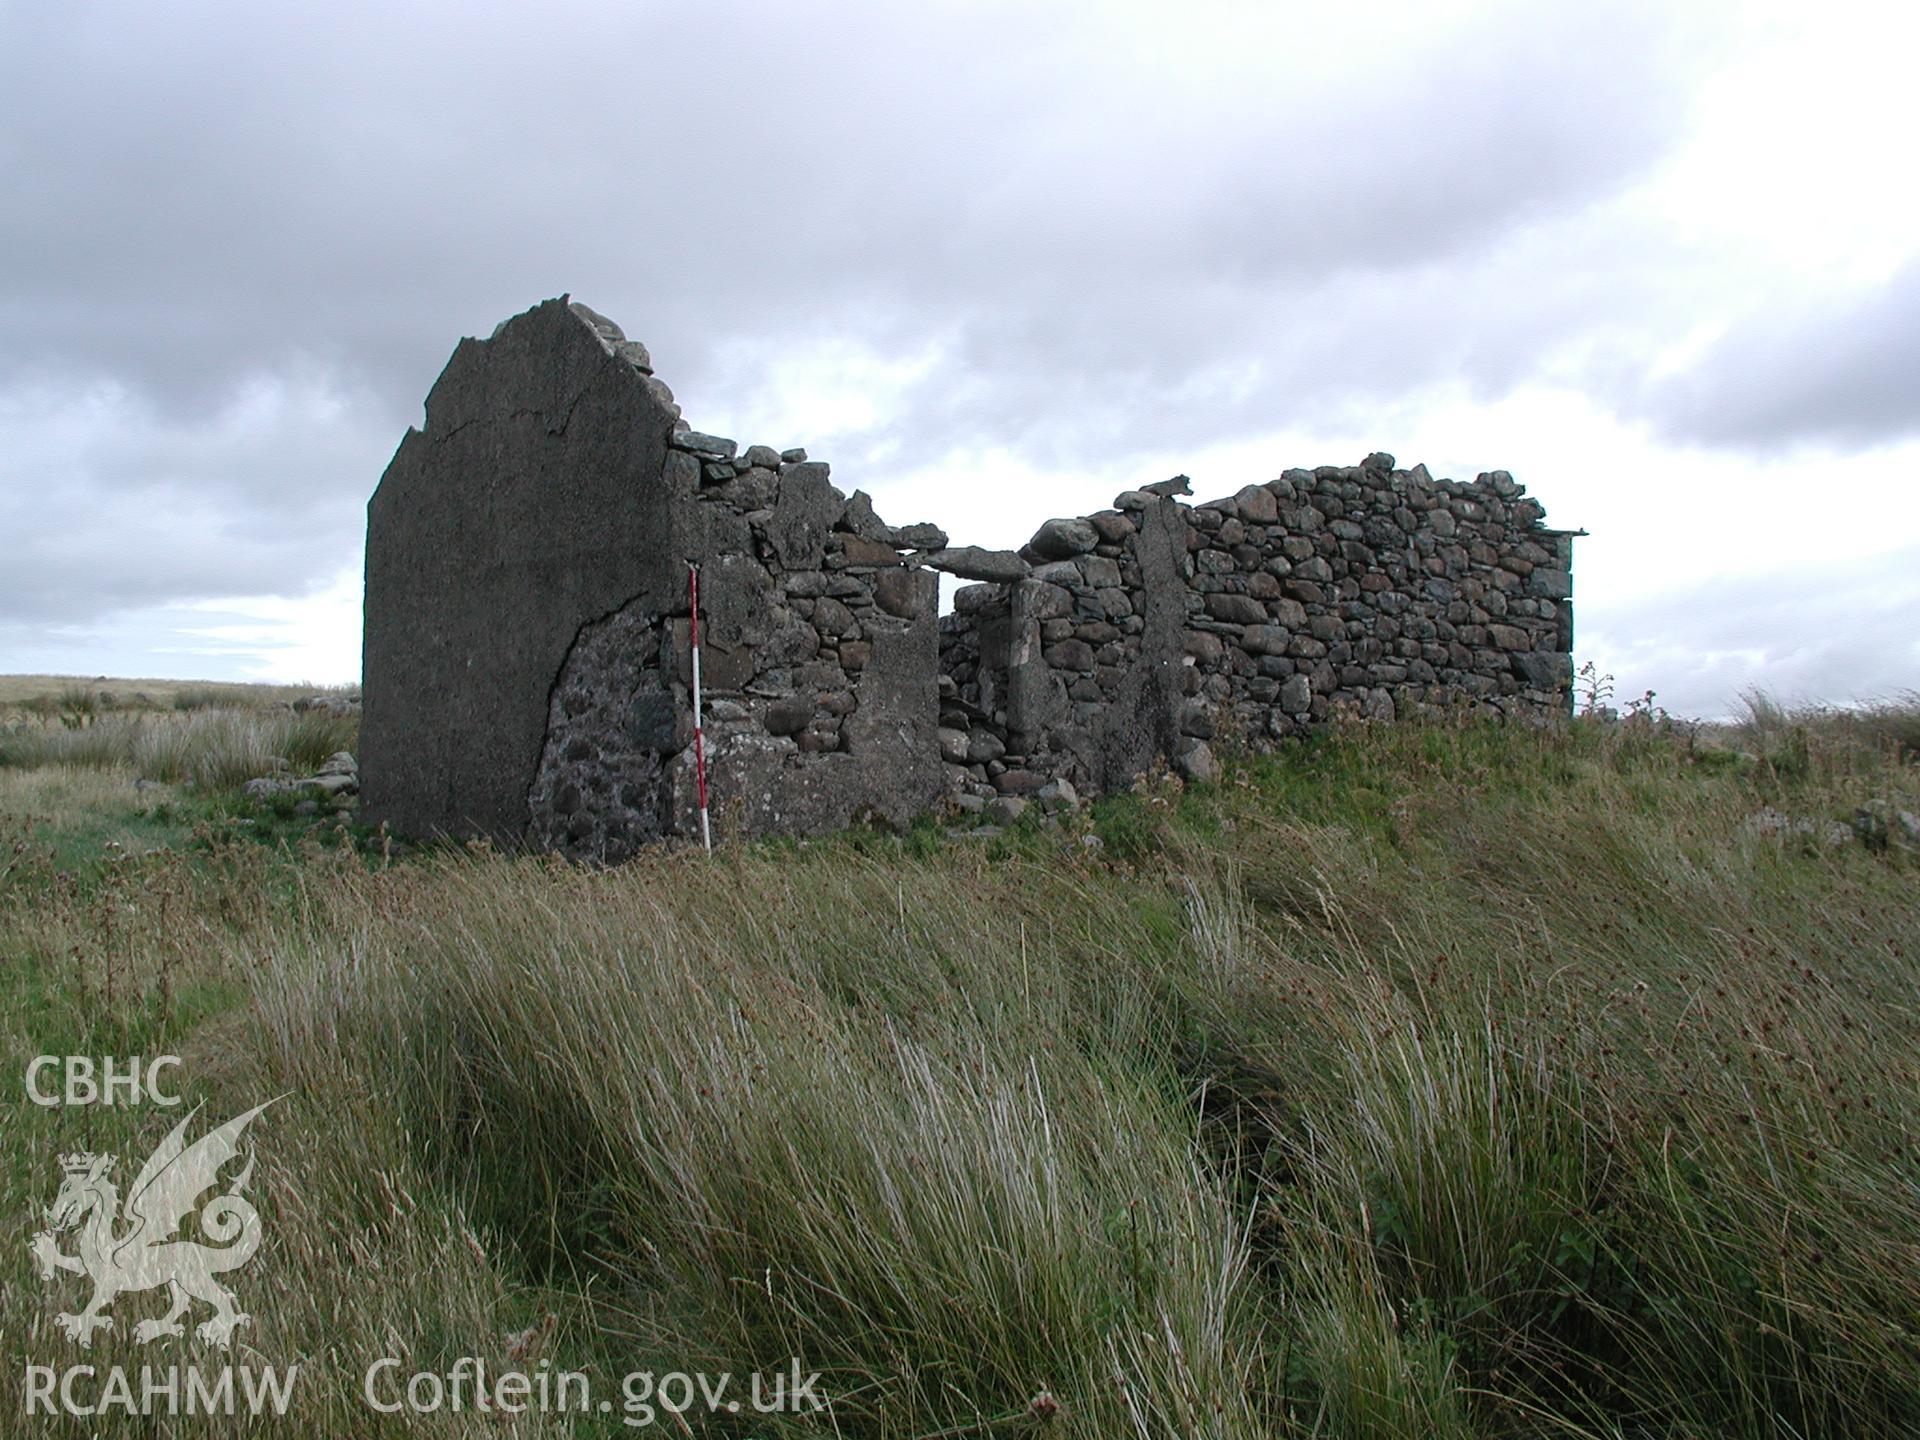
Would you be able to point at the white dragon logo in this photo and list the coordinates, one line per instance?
(146, 1255)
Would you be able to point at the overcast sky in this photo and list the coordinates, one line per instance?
(995, 262)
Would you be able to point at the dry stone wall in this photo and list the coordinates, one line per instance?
(1363, 590)
(528, 653)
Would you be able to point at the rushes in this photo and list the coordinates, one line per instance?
(214, 749)
(947, 1217)
(1418, 1082)
(1783, 733)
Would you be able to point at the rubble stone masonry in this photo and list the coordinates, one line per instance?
(528, 656)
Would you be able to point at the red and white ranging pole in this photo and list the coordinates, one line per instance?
(699, 735)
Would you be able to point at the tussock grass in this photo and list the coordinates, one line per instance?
(1422, 1081)
(213, 749)
(1781, 732)
(52, 695)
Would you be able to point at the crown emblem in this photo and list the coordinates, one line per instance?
(81, 1162)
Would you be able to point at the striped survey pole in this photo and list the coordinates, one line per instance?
(699, 735)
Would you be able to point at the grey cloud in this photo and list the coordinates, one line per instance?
(1106, 251)
(1845, 373)
(369, 186)
(107, 504)
(81, 556)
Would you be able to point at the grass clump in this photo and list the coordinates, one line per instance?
(50, 696)
(212, 749)
(1781, 732)
(1420, 1080)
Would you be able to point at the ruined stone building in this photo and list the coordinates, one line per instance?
(527, 648)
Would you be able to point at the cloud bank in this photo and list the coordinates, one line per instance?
(1080, 238)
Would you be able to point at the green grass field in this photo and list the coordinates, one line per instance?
(51, 694)
(1440, 1080)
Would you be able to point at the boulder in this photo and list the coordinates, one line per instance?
(873, 554)
(1544, 669)
(984, 747)
(859, 519)
(788, 716)
(1063, 539)
(707, 447)
(806, 512)
(921, 536)
(1057, 794)
(1196, 763)
(1880, 824)
(1005, 809)
(1239, 609)
(1070, 655)
(1545, 584)
(1265, 639)
(970, 562)
(1256, 505)
(1018, 782)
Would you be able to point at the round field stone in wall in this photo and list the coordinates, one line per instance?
(1061, 539)
(984, 747)
(833, 619)
(788, 716)
(653, 721)
(1257, 505)
(1070, 655)
(1241, 609)
(1203, 647)
(661, 392)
